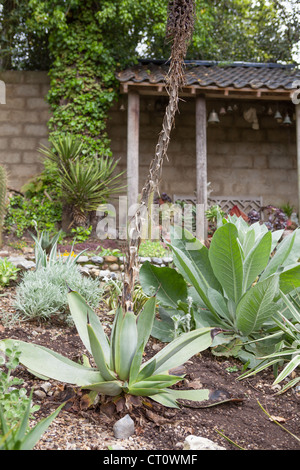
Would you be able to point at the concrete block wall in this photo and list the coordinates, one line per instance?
(241, 161)
(23, 124)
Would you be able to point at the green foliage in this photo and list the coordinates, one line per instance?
(84, 44)
(8, 272)
(13, 399)
(234, 284)
(17, 438)
(149, 248)
(3, 188)
(118, 366)
(214, 213)
(85, 181)
(81, 234)
(16, 408)
(287, 349)
(23, 214)
(42, 293)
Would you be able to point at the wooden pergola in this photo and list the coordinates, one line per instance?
(136, 82)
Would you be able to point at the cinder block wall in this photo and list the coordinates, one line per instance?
(23, 124)
(241, 161)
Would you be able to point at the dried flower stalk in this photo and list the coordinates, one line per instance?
(179, 31)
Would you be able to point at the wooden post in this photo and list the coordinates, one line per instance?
(297, 106)
(133, 148)
(201, 168)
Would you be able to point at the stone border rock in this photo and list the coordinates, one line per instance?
(95, 266)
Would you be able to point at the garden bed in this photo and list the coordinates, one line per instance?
(240, 418)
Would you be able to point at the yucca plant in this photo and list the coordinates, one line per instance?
(117, 366)
(65, 150)
(86, 182)
(3, 188)
(85, 185)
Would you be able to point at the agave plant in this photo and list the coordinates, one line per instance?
(118, 366)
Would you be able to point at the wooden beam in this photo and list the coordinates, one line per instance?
(297, 107)
(201, 168)
(133, 121)
(212, 91)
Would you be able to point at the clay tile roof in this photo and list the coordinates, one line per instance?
(205, 74)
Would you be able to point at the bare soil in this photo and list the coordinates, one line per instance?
(82, 427)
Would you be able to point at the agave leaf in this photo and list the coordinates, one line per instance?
(156, 381)
(126, 345)
(256, 306)
(46, 362)
(144, 392)
(115, 331)
(226, 260)
(144, 327)
(98, 355)
(112, 388)
(81, 312)
(180, 350)
(166, 398)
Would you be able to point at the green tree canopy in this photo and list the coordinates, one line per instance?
(83, 44)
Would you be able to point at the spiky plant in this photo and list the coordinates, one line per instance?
(85, 182)
(179, 31)
(3, 189)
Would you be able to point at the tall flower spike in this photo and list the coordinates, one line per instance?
(179, 31)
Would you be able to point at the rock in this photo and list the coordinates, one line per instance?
(107, 274)
(168, 259)
(97, 259)
(111, 259)
(200, 443)
(114, 267)
(157, 260)
(46, 386)
(84, 271)
(82, 259)
(21, 262)
(124, 427)
(143, 259)
(40, 394)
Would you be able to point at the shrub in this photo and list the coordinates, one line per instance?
(43, 293)
(8, 272)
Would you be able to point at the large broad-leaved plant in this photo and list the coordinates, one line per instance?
(233, 285)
